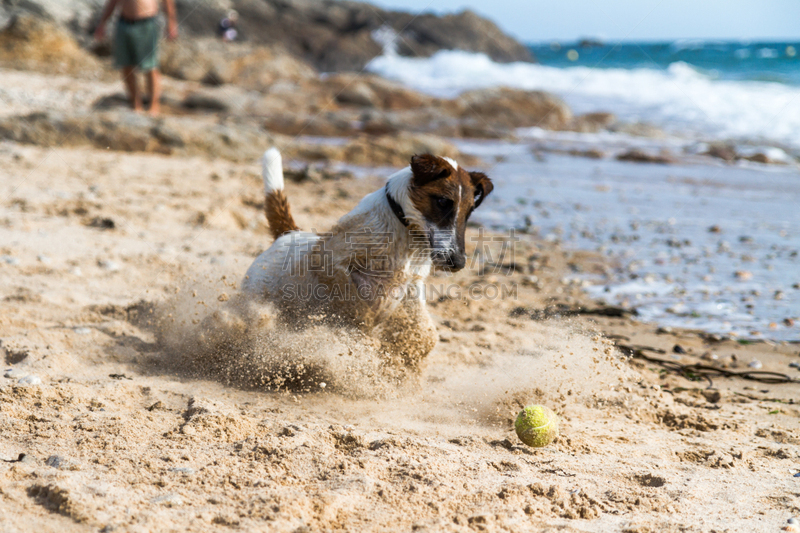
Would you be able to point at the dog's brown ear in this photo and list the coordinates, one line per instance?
(483, 186)
(428, 168)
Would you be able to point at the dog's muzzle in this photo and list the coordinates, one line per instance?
(452, 262)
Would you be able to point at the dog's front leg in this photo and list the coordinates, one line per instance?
(409, 334)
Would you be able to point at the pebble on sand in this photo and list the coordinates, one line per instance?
(743, 275)
(30, 380)
(26, 458)
(755, 363)
(108, 264)
(182, 470)
(14, 373)
(169, 500)
(56, 461)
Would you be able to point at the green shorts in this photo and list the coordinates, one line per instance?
(136, 44)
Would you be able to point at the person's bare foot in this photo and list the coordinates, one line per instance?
(154, 111)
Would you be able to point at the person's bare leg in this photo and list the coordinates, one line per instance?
(154, 87)
(129, 78)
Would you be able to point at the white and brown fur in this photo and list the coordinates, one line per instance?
(385, 297)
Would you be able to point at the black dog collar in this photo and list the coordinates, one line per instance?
(396, 209)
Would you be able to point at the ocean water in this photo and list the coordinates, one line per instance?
(719, 60)
(653, 221)
(747, 93)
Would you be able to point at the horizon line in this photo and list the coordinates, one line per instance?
(606, 42)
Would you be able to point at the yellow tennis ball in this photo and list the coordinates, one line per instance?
(536, 426)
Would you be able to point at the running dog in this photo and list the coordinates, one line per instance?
(369, 270)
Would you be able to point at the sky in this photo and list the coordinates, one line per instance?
(612, 20)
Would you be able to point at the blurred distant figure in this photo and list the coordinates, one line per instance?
(227, 27)
(136, 44)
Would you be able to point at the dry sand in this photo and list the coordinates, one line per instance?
(98, 248)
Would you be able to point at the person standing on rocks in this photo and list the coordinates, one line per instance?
(136, 44)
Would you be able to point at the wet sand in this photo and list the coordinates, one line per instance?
(699, 243)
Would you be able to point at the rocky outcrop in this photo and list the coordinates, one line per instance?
(79, 16)
(332, 35)
(425, 34)
(390, 150)
(337, 35)
(724, 151)
(730, 153)
(130, 132)
(33, 43)
(236, 95)
(592, 122)
(504, 108)
(213, 62)
(636, 155)
(370, 91)
(379, 108)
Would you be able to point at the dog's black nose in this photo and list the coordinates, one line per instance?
(456, 261)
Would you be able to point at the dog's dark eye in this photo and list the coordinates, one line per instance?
(445, 204)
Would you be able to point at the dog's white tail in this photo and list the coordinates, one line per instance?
(272, 170)
(279, 215)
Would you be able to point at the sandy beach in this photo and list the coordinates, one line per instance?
(117, 437)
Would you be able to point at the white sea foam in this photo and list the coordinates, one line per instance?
(679, 99)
